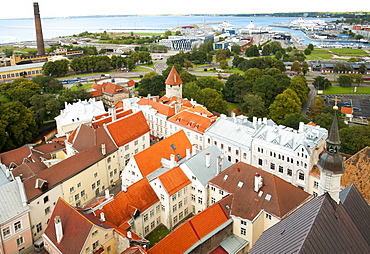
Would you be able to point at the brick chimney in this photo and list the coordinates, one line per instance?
(39, 36)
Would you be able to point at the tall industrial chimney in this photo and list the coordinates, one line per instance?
(39, 37)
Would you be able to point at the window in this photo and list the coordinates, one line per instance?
(46, 199)
(213, 188)
(145, 217)
(94, 233)
(244, 155)
(20, 241)
(185, 200)
(173, 197)
(77, 197)
(109, 248)
(109, 159)
(200, 200)
(272, 166)
(79, 185)
(181, 215)
(243, 223)
(93, 186)
(151, 213)
(146, 229)
(193, 178)
(72, 189)
(95, 245)
(193, 197)
(316, 184)
(213, 200)
(237, 152)
(281, 169)
(175, 219)
(301, 176)
(179, 194)
(268, 216)
(260, 162)
(87, 249)
(180, 204)
(158, 220)
(127, 147)
(243, 231)
(152, 225)
(163, 208)
(174, 208)
(200, 191)
(47, 210)
(289, 172)
(83, 193)
(221, 192)
(136, 142)
(136, 151)
(6, 232)
(95, 175)
(98, 183)
(162, 196)
(186, 211)
(229, 149)
(157, 209)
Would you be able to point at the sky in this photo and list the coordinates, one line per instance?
(53, 8)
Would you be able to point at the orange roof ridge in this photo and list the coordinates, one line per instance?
(174, 180)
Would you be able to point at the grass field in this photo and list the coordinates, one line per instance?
(83, 87)
(158, 234)
(349, 52)
(346, 90)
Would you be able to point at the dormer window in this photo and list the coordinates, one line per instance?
(225, 177)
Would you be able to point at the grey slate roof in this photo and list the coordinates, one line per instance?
(233, 244)
(319, 226)
(197, 164)
(22, 67)
(357, 209)
(11, 205)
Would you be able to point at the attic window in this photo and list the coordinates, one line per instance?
(268, 197)
(240, 184)
(173, 146)
(178, 156)
(225, 177)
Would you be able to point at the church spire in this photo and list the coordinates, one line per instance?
(331, 161)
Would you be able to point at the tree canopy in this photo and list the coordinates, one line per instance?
(285, 103)
(354, 138)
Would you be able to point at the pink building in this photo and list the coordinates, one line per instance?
(14, 218)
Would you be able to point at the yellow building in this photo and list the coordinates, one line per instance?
(21, 71)
(72, 231)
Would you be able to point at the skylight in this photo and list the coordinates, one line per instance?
(268, 197)
(178, 156)
(225, 177)
(240, 184)
(173, 146)
(260, 193)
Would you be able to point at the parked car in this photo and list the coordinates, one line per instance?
(356, 109)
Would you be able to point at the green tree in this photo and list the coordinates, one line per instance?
(44, 107)
(317, 107)
(8, 52)
(284, 104)
(235, 48)
(299, 85)
(304, 67)
(48, 84)
(20, 90)
(362, 69)
(278, 55)
(296, 67)
(293, 120)
(354, 138)
(253, 74)
(144, 57)
(17, 126)
(307, 51)
(310, 47)
(210, 82)
(321, 83)
(266, 50)
(191, 91)
(186, 77)
(153, 86)
(213, 101)
(70, 96)
(345, 80)
(325, 119)
(251, 51)
(357, 78)
(224, 64)
(253, 105)
(266, 87)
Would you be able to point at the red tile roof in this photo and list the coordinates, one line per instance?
(173, 78)
(131, 83)
(49, 147)
(192, 121)
(63, 170)
(174, 180)
(162, 109)
(76, 228)
(189, 233)
(107, 119)
(128, 128)
(150, 159)
(247, 204)
(16, 155)
(27, 170)
(139, 195)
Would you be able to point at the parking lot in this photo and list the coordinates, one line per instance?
(359, 102)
